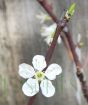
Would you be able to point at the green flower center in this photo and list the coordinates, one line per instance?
(39, 75)
(47, 17)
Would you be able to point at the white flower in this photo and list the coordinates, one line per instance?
(37, 77)
(48, 32)
(43, 17)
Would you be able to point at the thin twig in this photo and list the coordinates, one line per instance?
(46, 6)
(59, 28)
(66, 44)
(72, 47)
(31, 100)
(79, 73)
(50, 51)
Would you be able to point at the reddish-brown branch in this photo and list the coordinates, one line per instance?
(66, 44)
(46, 6)
(31, 100)
(80, 74)
(72, 47)
(50, 51)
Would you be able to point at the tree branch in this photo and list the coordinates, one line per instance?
(31, 100)
(50, 51)
(80, 75)
(60, 26)
(46, 6)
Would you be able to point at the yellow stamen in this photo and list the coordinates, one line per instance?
(39, 75)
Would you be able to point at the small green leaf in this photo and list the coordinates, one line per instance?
(71, 9)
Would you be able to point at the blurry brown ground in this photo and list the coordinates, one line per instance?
(20, 40)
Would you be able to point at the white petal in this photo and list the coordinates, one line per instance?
(79, 38)
(48, 30)
(39, 62)
(52, 71)
(65, 29)
(26, 71)
(48, 90)
(78, 51)
(44, 31)
(48, 40)
(59, 40)
(52, 27)
(31, 87)
(51, 30)
(43, 17)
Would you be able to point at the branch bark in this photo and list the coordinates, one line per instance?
(46, 6)
(59, 28)
(31, 100)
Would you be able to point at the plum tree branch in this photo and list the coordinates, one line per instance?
(60, 27)
(80, 75)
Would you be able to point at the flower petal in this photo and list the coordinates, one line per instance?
(43, 17)
(79, 38)
(48, 40)
(48, 90)
(59, 40)
(39, 62)
(65, 29)
(26, 71)
(31, 87)
(52, 71)
(78, 51)
(48, 30)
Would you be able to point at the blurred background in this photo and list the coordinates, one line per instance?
(20, 40)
